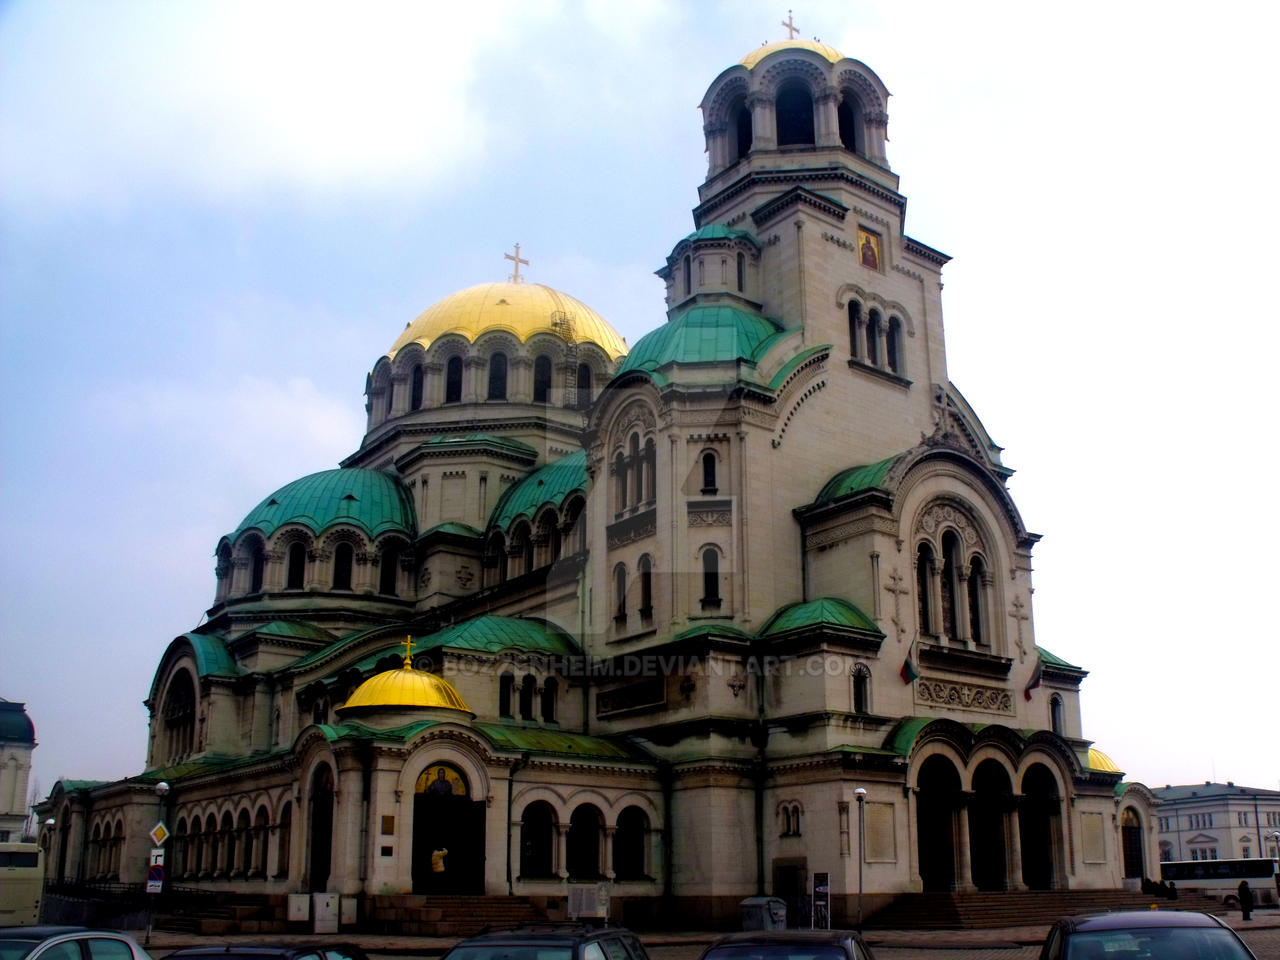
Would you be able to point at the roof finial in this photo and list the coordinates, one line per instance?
(790, 24)
(408, 652)
(515, 273)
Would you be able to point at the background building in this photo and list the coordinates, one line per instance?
(1217, 821)
(17, 742)
(575, 612)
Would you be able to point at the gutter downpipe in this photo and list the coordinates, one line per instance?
(666, 778)
(511, 777)
(758, 775)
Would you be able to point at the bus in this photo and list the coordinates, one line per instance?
(1221, 878)
(21, 883)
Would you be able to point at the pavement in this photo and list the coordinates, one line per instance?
(1262, 933)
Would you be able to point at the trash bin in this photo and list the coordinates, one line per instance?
(763, 913)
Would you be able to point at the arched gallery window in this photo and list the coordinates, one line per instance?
(537, 840)
(343, 555)
(794, 109)
(387, 571)
(506, 686)
(528, 691)
(415, 388)
(541, 379)
(453, 380)
(849, 117)
(498, 377)
(742, 132)
(296, 567)
(861, 689)
(584, 386)
(550, 687)
(257, 565)
(710, 579)
(1055, 715)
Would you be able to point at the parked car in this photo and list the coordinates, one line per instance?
(550, 941)
(67, 943)
(1139, 934)
(789, 945)
(237, 951)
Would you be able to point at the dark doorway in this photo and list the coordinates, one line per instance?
(537, 841)
(988, 815)
(791, 884)
(582, 846)
(938, 800)
(448, 834)
(321, 833)
(1038, 819)
(1131, 843)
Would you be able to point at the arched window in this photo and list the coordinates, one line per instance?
(741, 131)
(296, 567)
(541, 379)
(630, 841)
(794, 108)
(244, 845)
(873, 338)
(285, 830)
(1055, 715)
(575, 530)
(620, 593)
(620, 474)
(537, 840)
(950, 585)
(257, 565)
(506, 685)
(498, 377)
(637, 469)
(388, 570)
(550, 687)
(179, 717)
(650, 471)
(742, 272)
(924, 599)
(977, 602)
(453, 380)
(343, 555)
(583, 843)
(227, 858)
(855, 321)
(849, 116)
(528, 690)
(688, 276)
(645, 568)
(259, 865)
(391, 397)
(893, 345)
(861, 689)
(709, 473)
(415, 388)
(710, 579)
(584, 387)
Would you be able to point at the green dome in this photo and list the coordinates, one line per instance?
(718, 231)
(15, 725)
(550, 484)
(705, 333)
(370, 499)
(824, 611)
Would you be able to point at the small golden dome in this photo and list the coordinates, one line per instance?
(759, 53)
(521, 309)
(1100, 761)
(405, 688)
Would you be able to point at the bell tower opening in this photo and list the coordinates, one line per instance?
(742, 131)
(849, 117)
(794, 107)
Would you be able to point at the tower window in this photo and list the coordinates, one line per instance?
(1055, 714)
(646, 587)
(742, 131)
(849, 116)
(873, 338)
(924, 578)
(541, 379)
(794, 108)
(342, 557)
(257, 564)
(709, 473)
(742, 272)
(550, 687)
(391, 397)
(861, 689)
(855, 321)
(453, 380)
(893, 345)
(688, 276)
(506, 684)
(296, 567)
(620, 593)
(710, 579)
(528, 690)
(498, 377)
(584, 386)
(415, 388)
(387, 571)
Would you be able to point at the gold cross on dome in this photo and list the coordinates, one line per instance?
(515, 273)
(790, 24)
(408, 652)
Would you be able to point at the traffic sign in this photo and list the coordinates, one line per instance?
(155, 878)
(157, 856)
(159, 834)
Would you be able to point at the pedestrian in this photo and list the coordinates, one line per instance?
(1173, 890)
(1246, 899)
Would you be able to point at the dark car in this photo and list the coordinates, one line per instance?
(306, 951)
(789, 945)
(551, 941)
(67, 943)
(1143, 934)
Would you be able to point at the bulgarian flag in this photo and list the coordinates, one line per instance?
(1034, 681)
(909, 673)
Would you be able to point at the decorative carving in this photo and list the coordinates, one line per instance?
(777, 441)
(1020, 616)
(897, 587)
(840, 242)
(963, 696)
(633, 414)
(631, 529)
(424, 578)
(710, 518)
(465, 576)
(944, 514)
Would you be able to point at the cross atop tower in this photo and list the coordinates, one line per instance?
(515, 258)
(408, 652)
(790, 24)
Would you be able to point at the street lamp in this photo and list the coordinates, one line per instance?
(860, 795)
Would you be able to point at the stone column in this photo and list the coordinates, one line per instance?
(935, 597)
(964, 861)
(520, 379)
(475, 382)
(399, 387)
(826, 120)
(609, 833)
(961, 601)
(347, 854)
(856, 348)
(764, 128)
(717, 146)
(562, 850)
(1014, 829)
(433, 384)
(882, 351)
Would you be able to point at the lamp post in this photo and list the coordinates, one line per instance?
(162, 791)
(860, 795)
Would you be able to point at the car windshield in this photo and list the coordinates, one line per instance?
(1167, 943)
(776, 951)
(14, 948)
(513, 951)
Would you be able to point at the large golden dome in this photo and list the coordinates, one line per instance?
(759, 53)
(521, 309)
(1100, 761)
(405, 688)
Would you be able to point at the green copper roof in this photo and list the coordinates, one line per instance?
(856, 479)
(487, 634)
(718, 231)
(456, 528)
(824, 611)
(212, 658)
(1049, 660)
(555, 742)
(705, 333)
(15, 725)
(369, 499)
(550, 484)
(711, 630)
(295, 630)
(481, 439)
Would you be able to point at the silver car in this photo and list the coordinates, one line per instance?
(68, 943)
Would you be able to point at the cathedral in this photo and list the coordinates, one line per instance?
(704, 618)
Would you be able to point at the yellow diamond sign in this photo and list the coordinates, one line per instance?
(159, 834)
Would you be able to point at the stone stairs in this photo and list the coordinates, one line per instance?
(951, 911)
(428, 916)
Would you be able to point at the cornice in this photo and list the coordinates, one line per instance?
(804, 175)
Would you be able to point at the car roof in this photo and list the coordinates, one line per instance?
(45, 930)
(1133, 919)
(263, 950)
(787, 936)
(551, 932)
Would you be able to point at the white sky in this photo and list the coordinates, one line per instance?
(215, 216)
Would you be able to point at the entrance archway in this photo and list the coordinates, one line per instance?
(320, 828)
(1131, 843)
(988, 826)
(448, 833)
(938, 786)
(1040, 825)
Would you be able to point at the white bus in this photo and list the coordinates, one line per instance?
(1221, 878)
(21, 883)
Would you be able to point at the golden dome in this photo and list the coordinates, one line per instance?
(1100, 761)
(405, 687)
(759, 53)
(521, 309)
